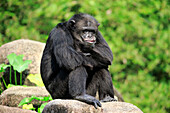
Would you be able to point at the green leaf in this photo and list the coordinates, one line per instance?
(28, 106)
(10, 85)
(48, 98)
(42, 107)
(39, 98)
(3, 67)
(43, 98)
(22, 65)
(11, 58)
(26, 100)
(36, 79)
(17, 62)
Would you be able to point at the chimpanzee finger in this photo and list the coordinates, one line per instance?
(95, 105)
(99, 104)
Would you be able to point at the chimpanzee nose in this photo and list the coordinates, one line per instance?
(90, 35)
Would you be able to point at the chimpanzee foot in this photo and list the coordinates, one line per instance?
(89, 99)
(108, 99)
(96, 103)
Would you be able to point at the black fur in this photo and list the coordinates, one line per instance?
(71, 69)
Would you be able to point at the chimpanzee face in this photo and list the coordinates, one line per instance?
(88, 35)
(85, 30)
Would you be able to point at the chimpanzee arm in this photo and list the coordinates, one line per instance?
(63, 50)
(101, 52)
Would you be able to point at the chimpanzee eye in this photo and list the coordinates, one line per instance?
(84, 31)
(93, 31)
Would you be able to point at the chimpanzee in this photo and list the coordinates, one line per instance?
(75, 62)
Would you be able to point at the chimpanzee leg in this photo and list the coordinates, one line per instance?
(77, 86)
(103, 82)
(106, 92)
(92, 84)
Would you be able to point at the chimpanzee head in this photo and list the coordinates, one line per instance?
(84, 28)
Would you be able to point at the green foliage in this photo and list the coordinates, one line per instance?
(29, 99)
(36, 79)
(2, 69)
(145, 93)
(40, 109)
(17, 62)
(136, 30)
(25, 102)
(28, 106)
(18, 65)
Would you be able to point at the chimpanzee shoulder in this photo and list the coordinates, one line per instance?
(62, 25)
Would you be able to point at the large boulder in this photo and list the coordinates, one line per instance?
(74, 106)
(13, 96)
(32, 50)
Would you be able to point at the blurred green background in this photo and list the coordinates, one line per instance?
(138, 32)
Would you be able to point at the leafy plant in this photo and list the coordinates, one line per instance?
(26, 102)
(36, 79)
(18, 64)
(28, 106)
(2, 69)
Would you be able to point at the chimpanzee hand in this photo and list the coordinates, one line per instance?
(89, 99)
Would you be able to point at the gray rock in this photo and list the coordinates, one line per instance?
(32, 50)
(5, 109)
(74, 106)
(13, 96)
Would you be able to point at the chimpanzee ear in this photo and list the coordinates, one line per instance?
(72, 23)
(98, 24)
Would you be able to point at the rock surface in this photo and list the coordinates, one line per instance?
(5, 109)
(32, 50)
(74, 106)
(12, 96)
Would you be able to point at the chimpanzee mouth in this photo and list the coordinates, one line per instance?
(90, 40)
